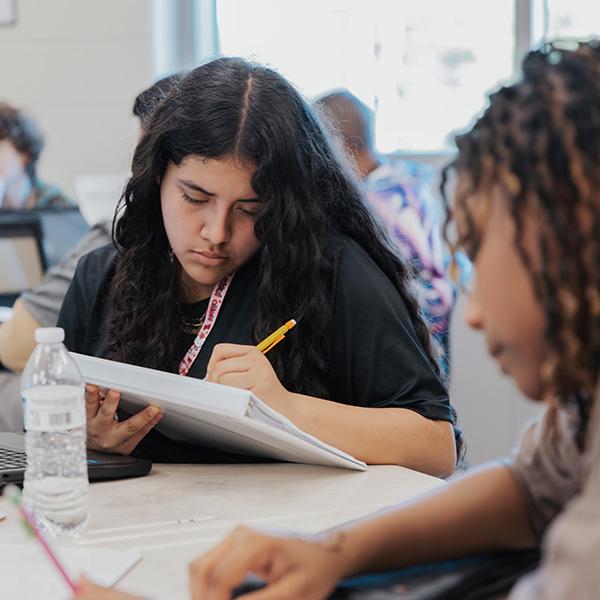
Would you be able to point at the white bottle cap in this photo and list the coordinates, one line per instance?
(49, 335)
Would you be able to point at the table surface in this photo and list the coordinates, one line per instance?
(177, 512)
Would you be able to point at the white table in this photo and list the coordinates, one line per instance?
(179, 511)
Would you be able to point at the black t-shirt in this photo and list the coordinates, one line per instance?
(377, 358)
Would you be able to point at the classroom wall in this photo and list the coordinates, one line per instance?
(76, 65)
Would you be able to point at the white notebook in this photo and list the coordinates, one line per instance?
(212, 415)
(26, 572)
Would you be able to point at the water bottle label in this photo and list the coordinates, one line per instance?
(50, 421)
(54, 408)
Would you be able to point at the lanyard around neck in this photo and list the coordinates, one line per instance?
(212, 312)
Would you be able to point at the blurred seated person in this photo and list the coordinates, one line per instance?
(21, 144)
(35, 308)
(39, 306)
(400, 193)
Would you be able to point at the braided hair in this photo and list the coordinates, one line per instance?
(538, 141)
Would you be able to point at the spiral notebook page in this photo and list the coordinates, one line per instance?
(27, 574)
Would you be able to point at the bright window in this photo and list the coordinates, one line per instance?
(425, 67)
(571, 19)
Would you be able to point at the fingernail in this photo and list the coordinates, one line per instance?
(153, 411)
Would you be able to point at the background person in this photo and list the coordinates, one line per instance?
(21, 144)
(400, 193)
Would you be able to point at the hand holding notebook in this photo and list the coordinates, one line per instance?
(213, 415)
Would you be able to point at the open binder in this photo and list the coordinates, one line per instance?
(213, 415)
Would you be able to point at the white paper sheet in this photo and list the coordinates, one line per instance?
(27, 574)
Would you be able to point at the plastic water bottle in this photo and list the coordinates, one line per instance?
(56, 482)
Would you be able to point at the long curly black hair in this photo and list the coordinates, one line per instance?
(233, 108)
(539, 142)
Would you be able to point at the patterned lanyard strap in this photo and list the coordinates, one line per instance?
(212, 312)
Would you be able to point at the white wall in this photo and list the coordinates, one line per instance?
(76, 66)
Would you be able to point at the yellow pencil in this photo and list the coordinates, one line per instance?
(275, 337)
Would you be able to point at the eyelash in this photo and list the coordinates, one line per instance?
(248, 213)
(195, 202)
(191, 200)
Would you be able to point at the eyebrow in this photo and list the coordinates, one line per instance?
(197, 188)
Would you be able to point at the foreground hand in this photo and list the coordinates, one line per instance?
(292, 567)
(86, 590)
(248, 368)
(105, 433)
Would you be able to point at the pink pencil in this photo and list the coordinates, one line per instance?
(30, 523)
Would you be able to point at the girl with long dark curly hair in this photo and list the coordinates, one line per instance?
(236, 194)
